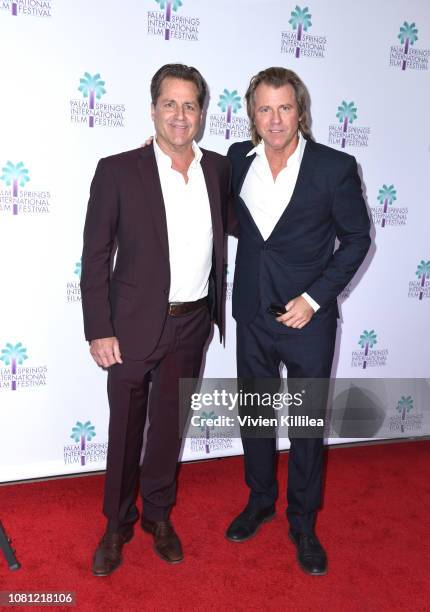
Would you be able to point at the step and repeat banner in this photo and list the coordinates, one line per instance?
(75, 88)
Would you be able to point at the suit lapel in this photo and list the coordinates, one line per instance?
(299, 195)
(212, 186)
(152, 188)
(242, 171)
(306, 169)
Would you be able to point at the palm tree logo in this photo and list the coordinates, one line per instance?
(407, 35)
(347, 113)
(300, 20)
(229, 102)
(168, 5)
(367, 340)
(423, 271)
(386, 196)
(205, 428)
(78, 268)
(404, 405)
(13, 355)
(92, 87)
(15, 174)
(82, 432)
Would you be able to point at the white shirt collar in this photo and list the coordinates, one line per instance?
(295, 158)
(166, 160)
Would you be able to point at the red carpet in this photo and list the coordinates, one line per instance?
(375, 526)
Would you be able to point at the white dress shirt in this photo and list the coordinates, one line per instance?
(189, 227)
(265, 198)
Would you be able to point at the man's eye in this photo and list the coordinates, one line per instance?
(190, 107)
(169, 105)
(285, 107)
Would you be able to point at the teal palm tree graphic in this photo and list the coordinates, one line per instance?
(229, 101)
(205, 428)
(407, 35)
(386, 196)
(404, 405)
(82, 432)
(367, 340)
(300, 20)
(78, 268)
(92, 87)
(15, 174)
(12, 355)
(347, 113)
(423, 271)
(168, 5)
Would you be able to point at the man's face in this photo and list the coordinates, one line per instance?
(177, 115)
(276, 115)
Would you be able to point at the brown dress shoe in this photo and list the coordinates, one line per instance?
(108, 554)
(167, 545)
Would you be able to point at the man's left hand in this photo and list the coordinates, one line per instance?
(299, 313)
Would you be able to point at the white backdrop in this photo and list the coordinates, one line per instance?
(366, 66)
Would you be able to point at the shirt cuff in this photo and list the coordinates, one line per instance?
(311, 302)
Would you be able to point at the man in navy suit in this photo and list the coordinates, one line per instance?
(292, 199)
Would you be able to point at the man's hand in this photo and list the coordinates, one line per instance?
(299, 313)
(105, 351)
(147, 142)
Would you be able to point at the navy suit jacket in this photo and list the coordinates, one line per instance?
(299, 255)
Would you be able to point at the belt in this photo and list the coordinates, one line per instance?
(176, 309)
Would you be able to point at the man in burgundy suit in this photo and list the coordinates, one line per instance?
(161, 207)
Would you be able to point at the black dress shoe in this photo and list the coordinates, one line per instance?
(167, 545)
(247, 524)
(311, 555)
(108, 553)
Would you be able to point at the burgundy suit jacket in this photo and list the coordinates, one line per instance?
(126, 211)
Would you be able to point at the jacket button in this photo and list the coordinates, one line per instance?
(166, 291)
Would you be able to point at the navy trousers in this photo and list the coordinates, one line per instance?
(260, 353)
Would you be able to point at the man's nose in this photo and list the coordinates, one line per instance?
(180, 113)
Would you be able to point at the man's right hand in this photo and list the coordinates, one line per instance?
(105, 351)
(147, 142)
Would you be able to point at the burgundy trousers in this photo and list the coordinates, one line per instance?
(131, 400)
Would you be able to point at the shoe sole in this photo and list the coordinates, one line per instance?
(302, 567)
(160, 556)
(266, 520)
(98, 575)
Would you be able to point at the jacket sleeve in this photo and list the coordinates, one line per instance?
(99, 243)
(352, 226)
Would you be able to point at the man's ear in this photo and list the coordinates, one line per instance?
(152, 112)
